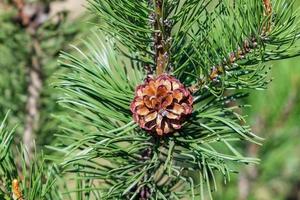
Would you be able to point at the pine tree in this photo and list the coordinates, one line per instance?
(153, 101)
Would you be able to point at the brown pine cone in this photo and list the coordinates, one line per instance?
(161, 104)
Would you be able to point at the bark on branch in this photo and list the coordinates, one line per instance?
(162, 28)
(31, 16)
(34, 89)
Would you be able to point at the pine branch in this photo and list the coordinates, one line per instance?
(248, 51)
(102, 144)
(102, 137)
(248, 46)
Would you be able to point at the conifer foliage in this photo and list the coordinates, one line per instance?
(19, 181)
(151, 102)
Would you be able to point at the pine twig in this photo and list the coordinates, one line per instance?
(241, 52)
(159, 47)
(161, 38)
(219, 69)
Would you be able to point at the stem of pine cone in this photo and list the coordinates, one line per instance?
(161, 55)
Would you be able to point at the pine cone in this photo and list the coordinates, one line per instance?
(161, 104)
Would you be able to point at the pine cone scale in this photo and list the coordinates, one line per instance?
(150, 117)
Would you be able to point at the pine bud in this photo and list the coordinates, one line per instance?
(17, 193)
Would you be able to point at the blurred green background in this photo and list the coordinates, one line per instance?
(274, 115)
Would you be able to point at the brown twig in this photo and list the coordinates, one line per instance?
(268, 7)
(35, 82)
(216, 71)
(268, 13)
(34, 89)
(24, 19)
(158, 37)
(161, 38)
